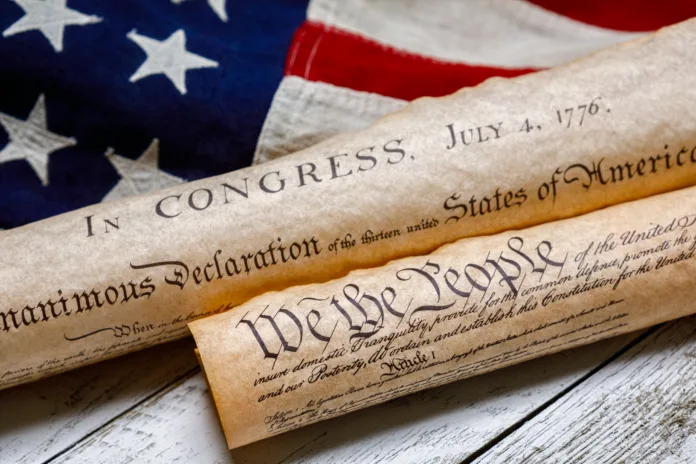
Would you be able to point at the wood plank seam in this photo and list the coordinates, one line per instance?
(639, 409)
(517, 425)
(177, 381)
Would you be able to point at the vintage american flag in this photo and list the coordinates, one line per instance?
(102, 99)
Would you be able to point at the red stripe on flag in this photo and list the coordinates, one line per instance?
(624, 15)
(321, 53)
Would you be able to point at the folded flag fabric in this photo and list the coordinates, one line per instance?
(101, 100)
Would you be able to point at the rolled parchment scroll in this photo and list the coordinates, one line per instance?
(116, 277)
(308, 353)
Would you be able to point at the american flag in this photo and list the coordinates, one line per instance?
(100, 100)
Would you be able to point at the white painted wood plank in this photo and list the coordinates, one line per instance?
(39, 420)
(640, 408)
(442, 425)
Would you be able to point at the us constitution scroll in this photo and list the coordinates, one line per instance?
(116, 277)
(313, 352)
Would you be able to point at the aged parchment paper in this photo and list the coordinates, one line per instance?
(116, 277)
(308, 353)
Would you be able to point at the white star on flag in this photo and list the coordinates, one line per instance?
(50, 17)
(168, 57)
(31, 140)
(218, 7)
(139, 176)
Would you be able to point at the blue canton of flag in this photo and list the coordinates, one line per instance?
(100, 99)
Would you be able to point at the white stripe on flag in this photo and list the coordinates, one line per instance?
(304, 113)
(499, 33)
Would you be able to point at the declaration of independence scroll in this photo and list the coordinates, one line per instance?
(116, 277)
(308, 353)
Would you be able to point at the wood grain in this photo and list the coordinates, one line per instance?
(40, 420)
(640, 408)
(442, 425)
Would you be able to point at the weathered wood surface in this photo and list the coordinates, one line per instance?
(443, 425)
(641, 408)
(570, 407)
(40, 420)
